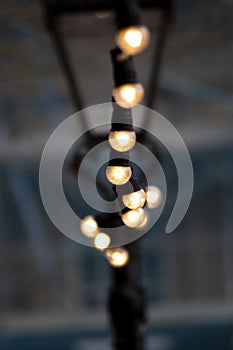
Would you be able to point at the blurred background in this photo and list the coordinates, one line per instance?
(53, 291)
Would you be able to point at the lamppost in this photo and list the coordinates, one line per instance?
(126, 302)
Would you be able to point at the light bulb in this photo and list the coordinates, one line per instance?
(89, 226)
(128, 95)
(134, 200)
(133, 40)
(118, 175)
(144, 222)
(117, 257)
(102, 241)
(153, 197)
(133, 218)
(122, 141)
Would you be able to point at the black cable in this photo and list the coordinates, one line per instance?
(121, 118)
(123, 68)
(127, 13)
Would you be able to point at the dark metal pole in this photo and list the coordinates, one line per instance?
(157, 57)
(52, 23)
(167, 14)
(64, 60)
(126, 303)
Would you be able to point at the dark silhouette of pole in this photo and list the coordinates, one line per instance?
(126, 303)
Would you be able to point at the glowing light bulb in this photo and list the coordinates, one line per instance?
(134, 200)
(102, 241)
(133, 218)
(144, 223)
(133, 40)
(117, 257)
(122, 141)
(128, 95)
(118, 175)
(89, 226)
(153, 197)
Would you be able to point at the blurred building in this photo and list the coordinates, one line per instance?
(53, 291)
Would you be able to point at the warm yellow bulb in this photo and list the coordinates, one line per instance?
(133, 218)
(117, 257)
(134, 200)
(122, 141)
(102, 241)
(133, 40)
(89, 226)
(144, 223)
(128, 95)
(118, 175)
(153, 197)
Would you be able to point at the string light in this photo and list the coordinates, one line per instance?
(133, 40)
(89, 226)
(127, 91)
(153, 197)
(134, 200)
(117, 257)
(144, 223)
(102, 241)
(122, 137)
(122, 141)
(128, 95)
(133, 218)
(118, 175)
